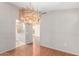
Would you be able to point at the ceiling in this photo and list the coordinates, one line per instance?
(47, 6)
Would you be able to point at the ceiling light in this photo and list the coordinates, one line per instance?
(29, 15)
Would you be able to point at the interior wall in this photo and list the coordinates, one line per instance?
(8, 16)
(28, 33)
(60, 30)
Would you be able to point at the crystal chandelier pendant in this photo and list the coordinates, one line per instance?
(28, 15)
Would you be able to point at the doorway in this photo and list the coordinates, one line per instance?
(20, 33)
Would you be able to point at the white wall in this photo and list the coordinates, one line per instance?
(28, 33)
(60, 30)
(8, 16)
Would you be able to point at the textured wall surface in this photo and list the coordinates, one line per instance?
(60, 30)
(8, 16)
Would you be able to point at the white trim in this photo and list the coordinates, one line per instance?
(60, 50)
(7, 50)
(13, 48)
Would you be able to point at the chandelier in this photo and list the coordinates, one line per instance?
(29, 15)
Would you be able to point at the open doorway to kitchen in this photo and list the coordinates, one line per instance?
(24, 33)
(36, 31)
(20, 33)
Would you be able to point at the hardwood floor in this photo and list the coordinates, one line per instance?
(52, 52)
(27, 50)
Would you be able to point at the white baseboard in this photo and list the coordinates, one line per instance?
(43, 46)
(13, 48)
(60, 50)
(7, 50)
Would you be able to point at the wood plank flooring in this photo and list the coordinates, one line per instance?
(27, 50)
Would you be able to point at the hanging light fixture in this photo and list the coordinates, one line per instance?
(29, 15)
